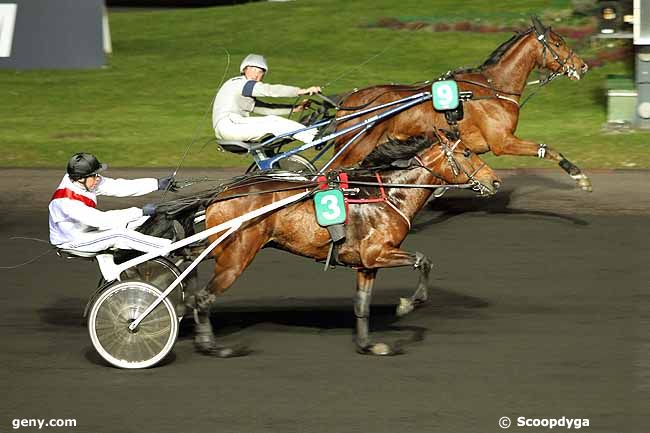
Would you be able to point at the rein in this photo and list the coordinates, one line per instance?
(266, 191)
(564, 69)
(438, 190)
(367, 104)
(490, 87)
(407, 185)
(207, 198)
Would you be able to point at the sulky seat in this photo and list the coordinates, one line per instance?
(105, 260)
(235, 146)
(75, 254)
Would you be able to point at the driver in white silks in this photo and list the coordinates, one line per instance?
(237, 99)
(77, 224)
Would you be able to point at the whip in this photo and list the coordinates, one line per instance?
(196, 131)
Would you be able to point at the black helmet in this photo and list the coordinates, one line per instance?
(83, 165)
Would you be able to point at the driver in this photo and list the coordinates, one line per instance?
(237, 99)
(76, 223)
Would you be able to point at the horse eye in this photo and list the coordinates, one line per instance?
(466, 153)
(557, 44)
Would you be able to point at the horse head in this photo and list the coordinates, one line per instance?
(453, 163)
(555, 55)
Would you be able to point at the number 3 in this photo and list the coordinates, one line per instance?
(332, 204)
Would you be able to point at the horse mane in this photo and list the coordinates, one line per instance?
(504, 47)
(394, 150)
(497, 54)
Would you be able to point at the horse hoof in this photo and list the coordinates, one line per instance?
(405, 306)
(379, 349)
(222, 351)
(231, 352)
(206, 345)
(584, 183)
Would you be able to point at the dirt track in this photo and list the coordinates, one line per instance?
(540, 308)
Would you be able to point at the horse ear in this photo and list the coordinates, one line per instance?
(539, 27)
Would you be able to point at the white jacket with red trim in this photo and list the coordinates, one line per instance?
(73, 209)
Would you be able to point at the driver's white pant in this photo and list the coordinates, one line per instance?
(240, 128)
(123, 239)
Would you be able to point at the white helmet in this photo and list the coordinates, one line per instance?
(253, 60)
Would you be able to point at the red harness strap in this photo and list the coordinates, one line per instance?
(343, 184)
(68, 193)
(383, 198)
(371, 200)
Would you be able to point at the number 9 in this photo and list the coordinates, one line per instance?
(444, 95)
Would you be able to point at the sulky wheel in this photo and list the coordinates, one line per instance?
(161, 273)
(294, 163)
(113, 311)
(297, 163)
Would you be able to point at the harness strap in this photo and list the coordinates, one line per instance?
(508, 99)
(486, 86)
(399, 212)
(383, 198)
(68, 193)
(379, 199)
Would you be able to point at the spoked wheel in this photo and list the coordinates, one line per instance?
(161, 273)
(294, 163)
(113, 312)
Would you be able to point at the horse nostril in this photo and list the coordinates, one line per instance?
(496, 184)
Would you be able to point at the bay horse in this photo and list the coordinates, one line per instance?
(374, 231)
(490, 117)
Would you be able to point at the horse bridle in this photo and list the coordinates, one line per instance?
(565, 67)
(448, 152)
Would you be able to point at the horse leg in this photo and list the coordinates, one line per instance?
(515, 146)
(365, 282)
(204, 340)
(421, 294)
(231, 261)
(391, 257)
(576, 174)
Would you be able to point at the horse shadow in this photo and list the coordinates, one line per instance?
(457, 203)
(66, 312)
(336, 315)
(296, 315)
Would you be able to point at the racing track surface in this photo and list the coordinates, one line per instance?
(539, 308)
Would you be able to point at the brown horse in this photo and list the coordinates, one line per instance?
(373, 234)
(490, 117)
